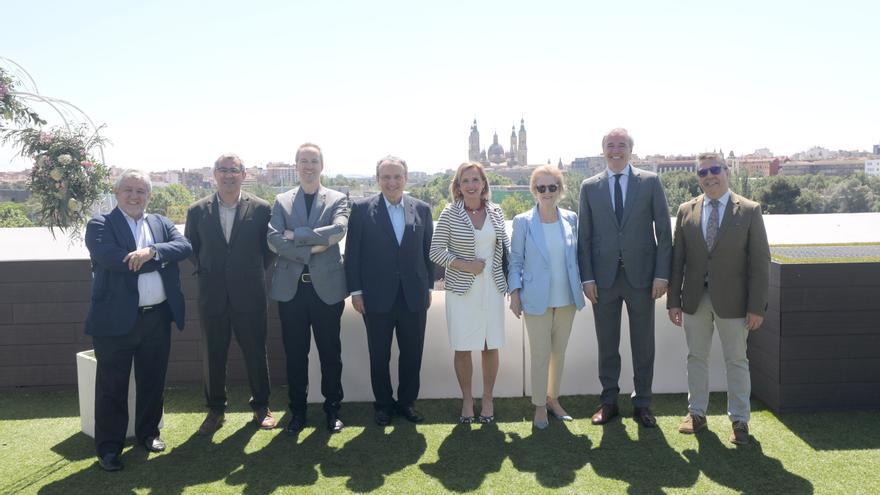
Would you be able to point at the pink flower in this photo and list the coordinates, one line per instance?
(3, 90)
(45, 138)
(86, 163)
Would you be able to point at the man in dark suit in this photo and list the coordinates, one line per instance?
(135, 296)
(228, 233)
(624, 249)
(720, 278)
(390, 278)
(309, 284)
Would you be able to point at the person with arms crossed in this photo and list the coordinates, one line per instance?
(624, 249)
(309, 284)
(227, 230)
(135, 297)
(390, 276)
(720, 279)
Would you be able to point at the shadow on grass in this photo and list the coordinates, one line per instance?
(744, 469)
(554, 454)
(374, 454)
(205, 462)
(832, 430)
(648, 464)
(467, 456)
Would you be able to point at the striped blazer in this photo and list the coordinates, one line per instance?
(454, 239)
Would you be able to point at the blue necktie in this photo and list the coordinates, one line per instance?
(618, 199)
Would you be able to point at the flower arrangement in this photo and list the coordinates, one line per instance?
(66, 179)
(11, 108)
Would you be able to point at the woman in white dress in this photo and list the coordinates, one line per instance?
(470, 242)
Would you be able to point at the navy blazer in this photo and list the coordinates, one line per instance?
(376, 265)
(115, 296)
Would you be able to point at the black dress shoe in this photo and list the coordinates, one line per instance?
(333, 423)
(296, 424)
(605, 413)
(110, 462)
(154, 444)
(644, 416)
(383, 418)
(410, 413)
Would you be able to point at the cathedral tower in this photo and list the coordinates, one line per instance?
(474, 144)
(511, 161)
(522, 149)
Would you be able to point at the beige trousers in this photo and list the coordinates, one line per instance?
(548, 338)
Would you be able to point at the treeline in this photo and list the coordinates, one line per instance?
(856, 193)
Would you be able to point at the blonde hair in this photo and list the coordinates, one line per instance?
(455, 185)
(546, 170)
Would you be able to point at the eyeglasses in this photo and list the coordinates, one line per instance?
(715, 169)
(542, 189)
(224, 170)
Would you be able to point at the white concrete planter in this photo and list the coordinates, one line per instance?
(86, 369)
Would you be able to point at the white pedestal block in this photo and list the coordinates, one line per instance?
(86, 369)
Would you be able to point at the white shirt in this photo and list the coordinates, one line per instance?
(707, 210)
(560, 291)
(624, 181)
(150, 288)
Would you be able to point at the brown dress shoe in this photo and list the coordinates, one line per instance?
(212, 423)
(644, 416)
(740, 433)
(263, 418)
(692, 423)
(605, 413)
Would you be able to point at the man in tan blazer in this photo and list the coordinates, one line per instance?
(719, 279)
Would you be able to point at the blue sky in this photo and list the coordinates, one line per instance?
(178, 83)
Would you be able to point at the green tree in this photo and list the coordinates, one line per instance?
(781, 196)
(171, 201)
(437, 209)
(679, 186)
(516, 203)
(571, 196)
(495, 179)
(433, 192)
(14, 215)
(850, 196)
(262, 191)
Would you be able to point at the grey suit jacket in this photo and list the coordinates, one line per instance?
(325, 226)
(643, 240)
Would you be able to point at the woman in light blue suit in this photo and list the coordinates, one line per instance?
(545, 285)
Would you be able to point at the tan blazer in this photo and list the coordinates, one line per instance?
(737, 268)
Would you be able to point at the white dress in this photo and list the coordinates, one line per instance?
(476, 319)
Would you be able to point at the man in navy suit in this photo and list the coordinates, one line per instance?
(135, 296)
(390, 277)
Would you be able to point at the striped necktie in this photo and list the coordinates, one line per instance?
(712, 225)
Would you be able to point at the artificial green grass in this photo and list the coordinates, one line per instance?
(42, 451)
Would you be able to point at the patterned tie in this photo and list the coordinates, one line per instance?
(712, 226)
(618, 199)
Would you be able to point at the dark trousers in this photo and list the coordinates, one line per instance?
(640, 309)
(148, 345)
(410, 326)
(302, 316)
(250, 333)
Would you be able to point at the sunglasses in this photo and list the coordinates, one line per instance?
(715, 169)
(542, 189)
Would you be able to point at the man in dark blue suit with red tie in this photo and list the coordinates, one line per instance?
(390, 277)
(135, 296)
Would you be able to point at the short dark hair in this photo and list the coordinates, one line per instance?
(309, 145)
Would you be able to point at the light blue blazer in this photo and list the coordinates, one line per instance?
(530, 261)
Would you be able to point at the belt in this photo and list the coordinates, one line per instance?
(305, 278)
(148, 309)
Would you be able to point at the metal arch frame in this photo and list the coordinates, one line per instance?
(60, 106)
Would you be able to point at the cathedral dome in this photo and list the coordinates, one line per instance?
(496, 152)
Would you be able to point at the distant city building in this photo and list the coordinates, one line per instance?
(877, 149)
(517, 155)
(822, 167)
(281, 174)
(669, 164)
(587, 166)
(872, 167)
(764, 167)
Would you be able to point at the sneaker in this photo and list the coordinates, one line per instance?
(740, 433)
(692, 423)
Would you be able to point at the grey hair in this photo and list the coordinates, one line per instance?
(392, 159)
(717, 157)
(134, 174)
(619, 131)
(228, 156)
